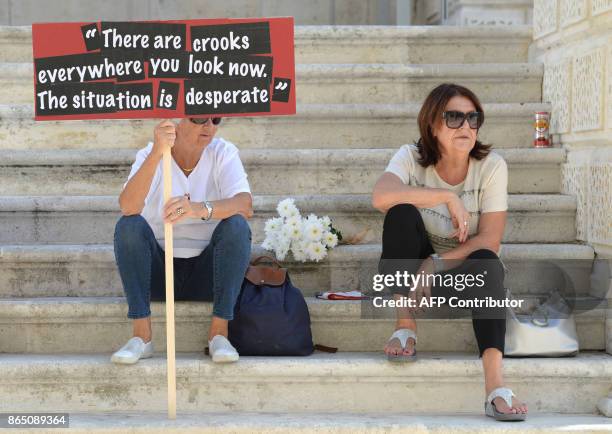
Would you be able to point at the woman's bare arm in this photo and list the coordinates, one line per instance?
(390, 191)
(131, 199)
(491, 227)
(242, 204)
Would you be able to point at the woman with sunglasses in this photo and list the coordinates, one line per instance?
(210, 203)
(445, 202)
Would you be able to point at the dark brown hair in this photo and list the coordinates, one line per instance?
(431, 113)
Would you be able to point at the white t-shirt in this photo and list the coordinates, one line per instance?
(484, 189)
(218, 175)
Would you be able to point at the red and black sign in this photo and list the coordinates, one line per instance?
(164, 69)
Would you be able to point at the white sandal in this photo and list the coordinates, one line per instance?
(403, 335)
(505, 394)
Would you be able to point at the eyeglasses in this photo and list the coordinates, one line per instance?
(455, 119)
(203, 121)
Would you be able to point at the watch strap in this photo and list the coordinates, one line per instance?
(437, 262)
(209, 210)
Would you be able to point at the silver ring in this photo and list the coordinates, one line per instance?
(180, 211)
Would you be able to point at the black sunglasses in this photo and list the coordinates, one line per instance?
(202, 121)
(455, 119)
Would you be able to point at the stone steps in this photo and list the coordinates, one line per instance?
(90, 270)
(100, 325)
(365, 44)
(334, 383)
(344, 423)
(92, 219)
(359, 83)
(278, 171)
(57, 300)
(314, 126)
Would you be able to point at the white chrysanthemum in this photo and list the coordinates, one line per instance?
(313, 230)
(298, 247)
(267, 244)
(292, 232)
(287, 209)
(281, 254)
(299, 254)
(312, 219)
(273, 225)
(316, 251)
(295, 221)
(330, 240)
(282, 247)
(326, 221)
(283, 241)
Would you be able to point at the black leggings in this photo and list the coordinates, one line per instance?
(404, 237)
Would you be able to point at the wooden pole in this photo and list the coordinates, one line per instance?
(169, 259)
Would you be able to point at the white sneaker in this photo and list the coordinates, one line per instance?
(134, 350)
(221, 350)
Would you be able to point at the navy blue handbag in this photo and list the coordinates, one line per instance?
(271, 317)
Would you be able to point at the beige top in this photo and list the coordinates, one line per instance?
(484, 189)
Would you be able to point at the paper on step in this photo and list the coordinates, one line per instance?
(341, 295)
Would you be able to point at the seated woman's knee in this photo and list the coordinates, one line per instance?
(234, 229)
(130, 229)
(402, 213)
(483, 254)
(488, 261)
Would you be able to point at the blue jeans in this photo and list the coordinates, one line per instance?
(214, 275)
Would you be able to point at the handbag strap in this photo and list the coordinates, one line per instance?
(325, 349)
(266, 258)
(273, 275)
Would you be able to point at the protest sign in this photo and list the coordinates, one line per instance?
(164, 69)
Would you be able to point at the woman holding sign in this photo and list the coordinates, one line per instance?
(445, 200)
(212, 239)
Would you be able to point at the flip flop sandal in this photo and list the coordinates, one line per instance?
(403, 335)
(491, 411)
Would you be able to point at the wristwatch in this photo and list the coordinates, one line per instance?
(209, 210)
(438, 262)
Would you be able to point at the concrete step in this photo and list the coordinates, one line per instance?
(314, 126)
(91, 270)
(92, 219)
(358, 83)
(365, 44)
(332, 383)
(397, 83)
(100, 325)
(276, 171)
(344, 423)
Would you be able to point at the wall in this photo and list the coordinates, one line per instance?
(573, 38)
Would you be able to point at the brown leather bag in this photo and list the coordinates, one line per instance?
(264, 274)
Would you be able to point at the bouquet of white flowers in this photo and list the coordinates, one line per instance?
(307, 238)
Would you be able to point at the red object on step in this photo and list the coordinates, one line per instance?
(541, 126)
